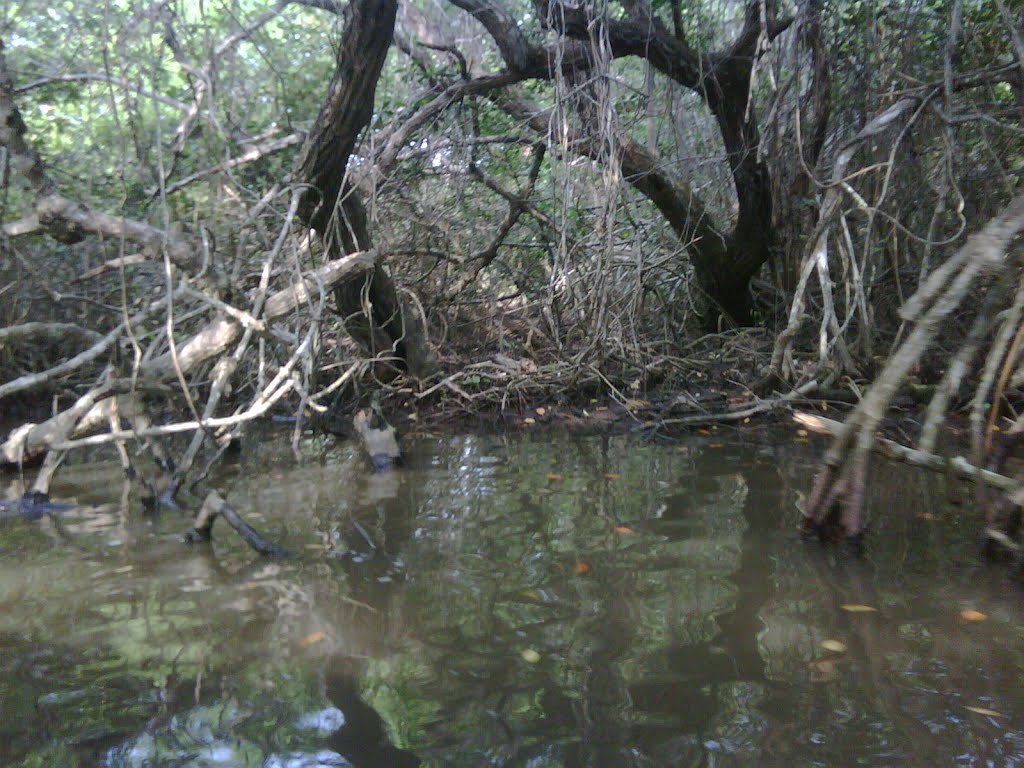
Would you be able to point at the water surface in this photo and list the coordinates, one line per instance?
(531, 601)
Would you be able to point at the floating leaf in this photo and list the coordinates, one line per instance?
(969, 614)
(581, 568)
(715, 445)
(612, 475)
(540, 411)
(858, 608)
(983, 711)
(703, 431)
(835, 646)
(530, 656)
(531, 594)
(311, 639)
(925, 516)
(554, 476)
(623, 529)
(528, 420)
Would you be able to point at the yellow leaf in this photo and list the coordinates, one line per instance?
(612, 475)
(530, 656)
(858, 608)
(746, 420)
(528, 420)
(926, 515)
(623, 529)
(969, 614)
(714, 445)
(802, 432)
(983, 711)
(835, 646)
(554, 476)
(581, 568)
(311, 639)
(412, 417)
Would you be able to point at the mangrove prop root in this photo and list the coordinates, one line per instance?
(983, 254)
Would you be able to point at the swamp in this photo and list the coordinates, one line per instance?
(541, 383)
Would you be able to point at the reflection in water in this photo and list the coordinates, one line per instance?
(506, 602)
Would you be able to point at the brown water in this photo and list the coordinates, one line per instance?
(648, 606)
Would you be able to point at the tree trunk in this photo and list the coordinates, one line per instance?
(724, 264)
(374, 313)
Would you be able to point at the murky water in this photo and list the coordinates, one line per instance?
(525, 601)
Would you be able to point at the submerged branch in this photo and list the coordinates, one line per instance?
(214, 505)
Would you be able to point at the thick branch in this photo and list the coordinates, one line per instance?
(65, 219)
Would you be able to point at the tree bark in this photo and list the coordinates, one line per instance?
(332, 206)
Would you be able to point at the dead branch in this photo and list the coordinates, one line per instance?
(65, 219)
(105, 343)
(214, 505)
(956, 465)
(211, 341)
(29, 334)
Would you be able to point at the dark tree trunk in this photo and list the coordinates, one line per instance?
(373, 310)
(724, 264)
